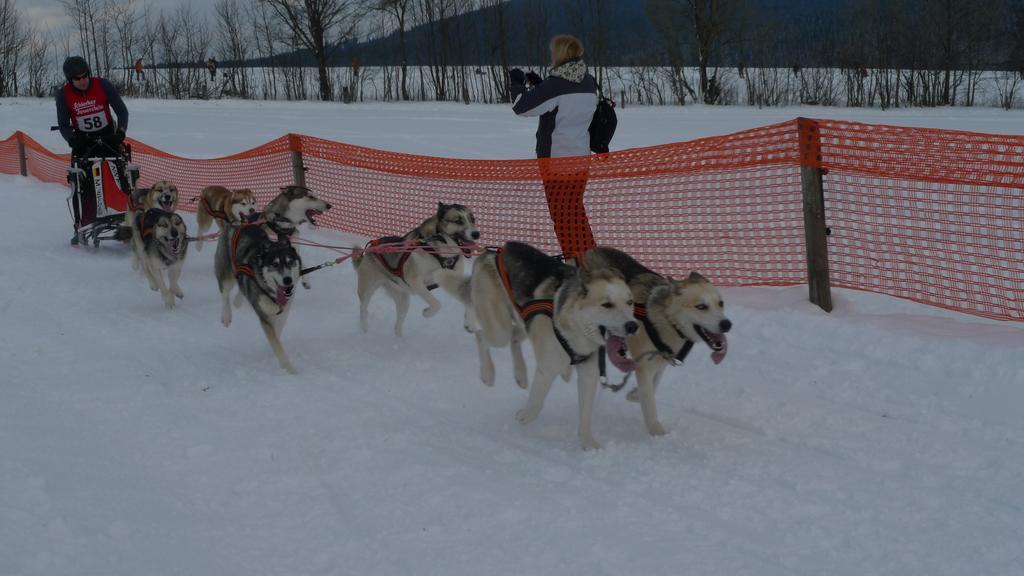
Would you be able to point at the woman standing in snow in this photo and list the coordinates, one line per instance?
(565, 102)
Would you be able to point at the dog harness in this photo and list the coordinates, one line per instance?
(218, 214)
(532, 308)
(398, 269)
(239, 270)
(640, 312)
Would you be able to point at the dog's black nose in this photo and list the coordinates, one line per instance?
(632, 327)
(327, 206)
(725, 325)
(475, 235)
(287, 280)
(174, 232)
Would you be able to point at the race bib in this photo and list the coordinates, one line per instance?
(93, 122)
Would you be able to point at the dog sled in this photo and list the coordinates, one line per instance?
(101, 182)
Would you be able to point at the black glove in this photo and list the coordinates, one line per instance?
(79, 142)
(119, 136)
(517, 76)
(533, 78)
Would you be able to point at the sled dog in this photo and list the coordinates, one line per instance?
(452, 220)
(162, 246)
(410, 269)
(217, 203)
(452, 227)
(567, 313)
(259, 259)
(674, 315)
(162, 195)
(293, 206)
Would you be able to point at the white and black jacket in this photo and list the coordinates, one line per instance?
(565, 102)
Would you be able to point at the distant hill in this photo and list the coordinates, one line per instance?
(631, 37)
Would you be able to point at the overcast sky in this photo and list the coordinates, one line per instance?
(49, 14)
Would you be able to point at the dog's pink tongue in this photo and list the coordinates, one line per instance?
(617, 353)
(719, 355)
(282, 297)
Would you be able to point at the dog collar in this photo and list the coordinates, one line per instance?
(574, 356)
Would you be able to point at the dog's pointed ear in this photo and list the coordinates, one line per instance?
(661, 293)
(583, 277)
(441, 207)
(696, 277)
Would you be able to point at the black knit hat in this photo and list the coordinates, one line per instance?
(75, 66)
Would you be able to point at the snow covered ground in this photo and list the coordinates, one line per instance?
(884, 438)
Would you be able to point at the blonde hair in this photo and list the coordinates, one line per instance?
(564, 48)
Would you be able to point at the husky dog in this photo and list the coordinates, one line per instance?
(226, 207)
(264, 268)
(567, 313)
(675, 314)
(452, 220)
(163, 243)
(408, 270)
(163, 195)
(293, 206)
(451, 229)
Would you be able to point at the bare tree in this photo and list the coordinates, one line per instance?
(125, 19)
(195, 45)
(234, 45)
(266, 31)
(668, 19)
(496, 41)
(536, 30)
(169, 40)
(315, 24)
(84, 15)
(434, 16)
(398, 11)
(14, 40)
(718, 29)
(37, 64)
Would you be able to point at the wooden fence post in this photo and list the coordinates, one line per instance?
(815, 231)
(298, 169)
(22, 159)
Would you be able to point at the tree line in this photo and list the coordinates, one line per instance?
(884, 53)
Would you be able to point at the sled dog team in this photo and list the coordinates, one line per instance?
(646, 321)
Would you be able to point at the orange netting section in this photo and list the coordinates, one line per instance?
(10, 162)
(934, 216)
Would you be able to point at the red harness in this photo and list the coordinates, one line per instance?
(218, 214)
(532, 308)
(543, 306)
(397, 269)
(239, 270)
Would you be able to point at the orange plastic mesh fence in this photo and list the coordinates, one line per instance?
(929, 215)
(935, 216)
(263, 169)
(10, 163)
